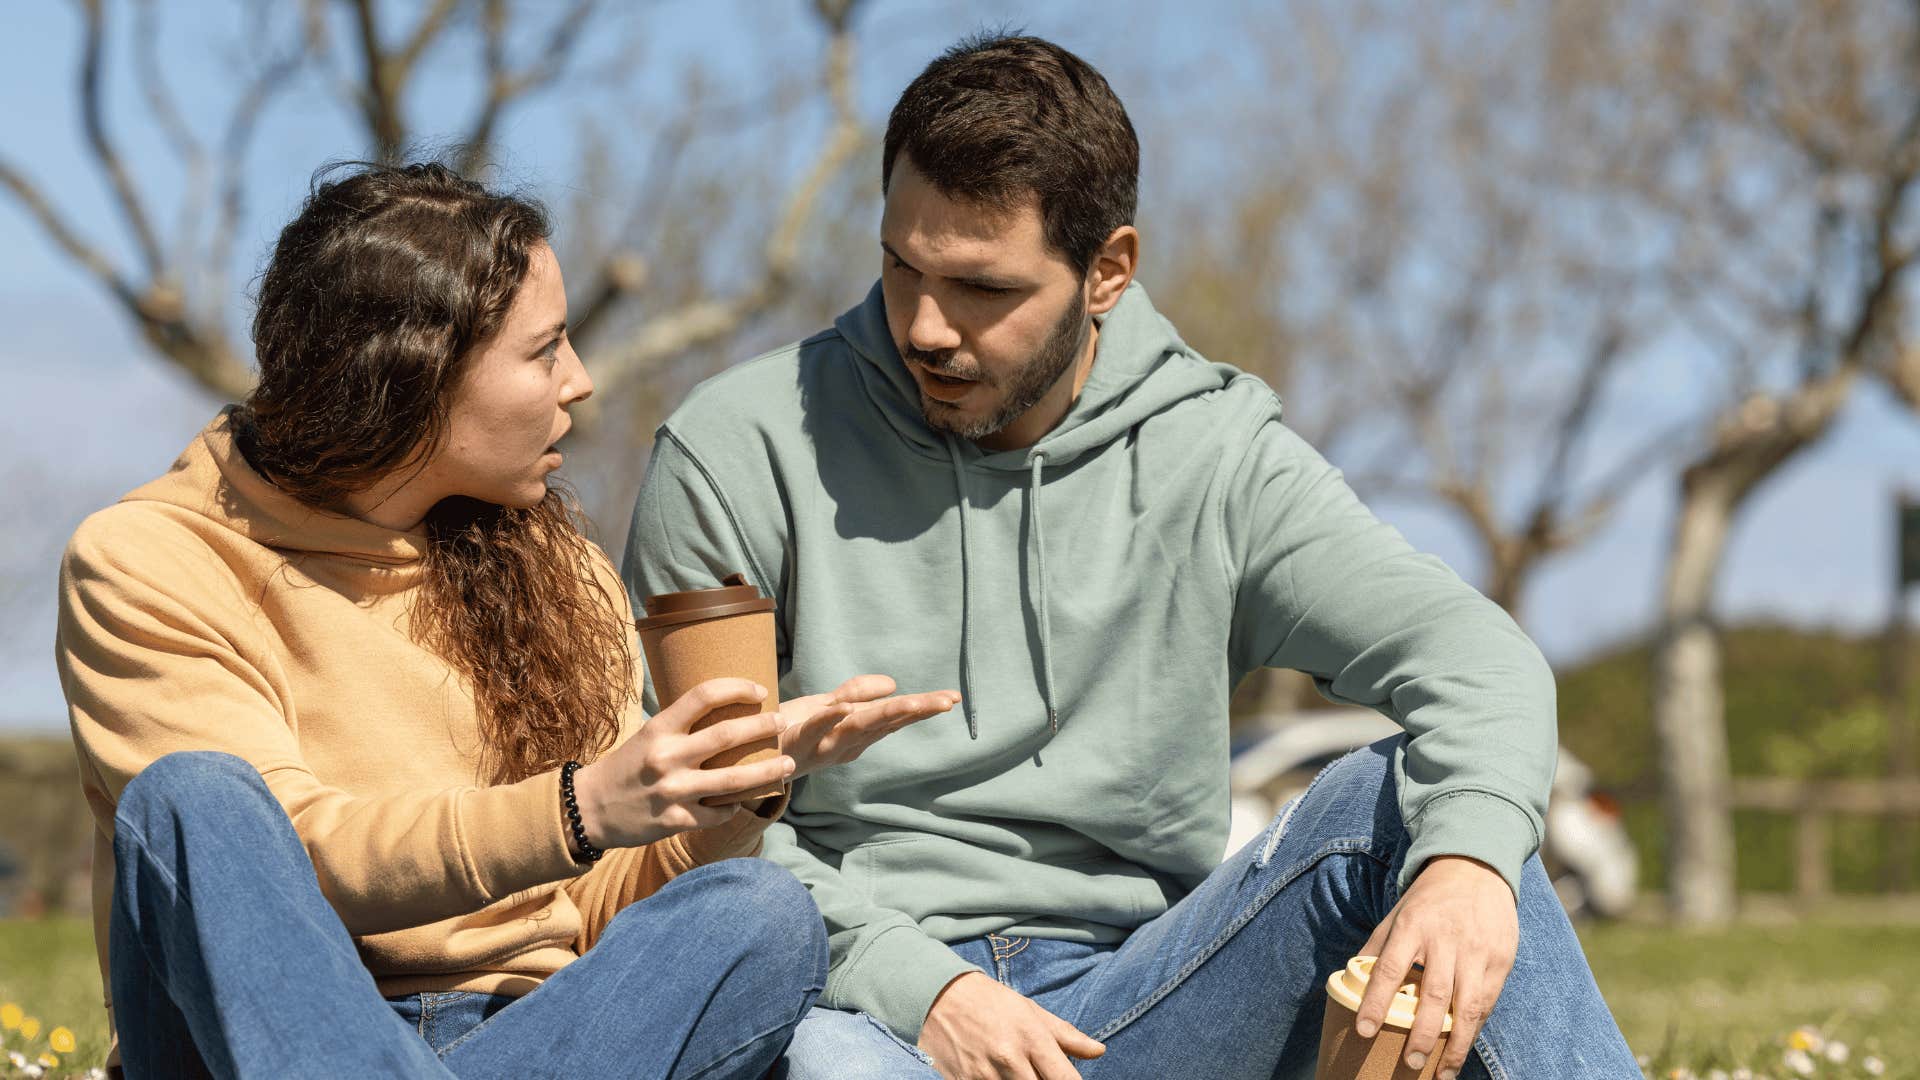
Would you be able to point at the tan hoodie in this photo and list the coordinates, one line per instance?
(208, 610)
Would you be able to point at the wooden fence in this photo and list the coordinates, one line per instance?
(1813, 804)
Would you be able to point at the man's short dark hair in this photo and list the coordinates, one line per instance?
(1000, 119)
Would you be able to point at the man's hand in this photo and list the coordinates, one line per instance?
(1458, 921)
(838, 726)
(981, 1030)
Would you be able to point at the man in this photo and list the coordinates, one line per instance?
(1004, 472)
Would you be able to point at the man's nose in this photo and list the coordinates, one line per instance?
(930, 331)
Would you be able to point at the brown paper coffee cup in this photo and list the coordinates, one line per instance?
(1344, 1055)
(690, 637)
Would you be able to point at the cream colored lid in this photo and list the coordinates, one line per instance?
(1348, 985)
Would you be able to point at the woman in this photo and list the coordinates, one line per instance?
(331, 679)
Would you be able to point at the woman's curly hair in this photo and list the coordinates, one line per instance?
(376, 297)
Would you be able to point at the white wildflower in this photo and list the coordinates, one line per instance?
(1798, 1060)
(1873, 1065)
(1837, 1052)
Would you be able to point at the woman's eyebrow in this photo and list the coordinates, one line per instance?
(548, 334)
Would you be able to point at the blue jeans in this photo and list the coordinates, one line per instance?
(1231, 981)
(226, 960)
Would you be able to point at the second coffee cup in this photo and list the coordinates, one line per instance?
(727, 632)
(1344, 1055)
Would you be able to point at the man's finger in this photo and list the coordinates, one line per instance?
(863, 688)
(1049, 1062)
(1471, 1004)
(1075, 1042)
(1436, 995)
(1378, 939)
(1388, 973)
(870, 723)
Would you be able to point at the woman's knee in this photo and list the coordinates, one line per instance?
(762, 910)
(171, 783)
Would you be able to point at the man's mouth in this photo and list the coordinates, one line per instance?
(943, 387)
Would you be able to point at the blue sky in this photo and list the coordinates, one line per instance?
(87, 414)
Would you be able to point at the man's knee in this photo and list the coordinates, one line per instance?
(831, 1044)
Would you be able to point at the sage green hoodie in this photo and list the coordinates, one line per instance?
(1096, 597)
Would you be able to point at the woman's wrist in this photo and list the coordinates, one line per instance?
(585, 809)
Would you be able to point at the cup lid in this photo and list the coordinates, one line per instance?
(1348, 985)
(733, 597)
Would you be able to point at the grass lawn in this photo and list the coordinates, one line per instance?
(1732, 999)
(1700, 1001)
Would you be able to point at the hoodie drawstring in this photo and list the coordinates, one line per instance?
(966, 595)
(1040, 595)
(1038, 590)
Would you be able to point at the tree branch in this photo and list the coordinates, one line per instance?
(707, 321)
(505, 87)
(93, 119)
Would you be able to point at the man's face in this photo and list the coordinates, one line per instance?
(987, 317)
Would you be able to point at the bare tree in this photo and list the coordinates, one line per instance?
(1782, 203)
(175, 285)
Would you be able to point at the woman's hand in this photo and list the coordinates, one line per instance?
(649, 787)
(836, 727)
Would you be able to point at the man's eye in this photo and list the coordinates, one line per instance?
(898, 265)
(989, 290)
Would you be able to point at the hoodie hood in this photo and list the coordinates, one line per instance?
(1140, 368)
(213, 481)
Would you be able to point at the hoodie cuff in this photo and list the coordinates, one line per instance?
(895, 979)
(512, 836)
(1476, 824)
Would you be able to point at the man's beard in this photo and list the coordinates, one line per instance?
(1022, 391)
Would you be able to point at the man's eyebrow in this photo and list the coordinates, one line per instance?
(985, 282)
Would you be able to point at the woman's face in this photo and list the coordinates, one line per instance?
(511, 405)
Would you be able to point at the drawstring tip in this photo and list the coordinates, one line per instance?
(1053, 722)
(973, 728)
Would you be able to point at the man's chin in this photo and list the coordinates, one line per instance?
(957, 422)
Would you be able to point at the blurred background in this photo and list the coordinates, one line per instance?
(1607, 302)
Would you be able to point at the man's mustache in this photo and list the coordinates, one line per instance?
(940, 363)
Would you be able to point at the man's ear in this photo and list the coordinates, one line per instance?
(1112, 269)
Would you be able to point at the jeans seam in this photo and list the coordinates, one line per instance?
(468, 1034)
(734, 1053)
(1354, 846)
(1487, 1057)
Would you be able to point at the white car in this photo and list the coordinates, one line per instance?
(1587, 852)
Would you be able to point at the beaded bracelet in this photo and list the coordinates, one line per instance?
(588, 853)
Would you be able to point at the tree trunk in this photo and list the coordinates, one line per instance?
(1689, 715)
